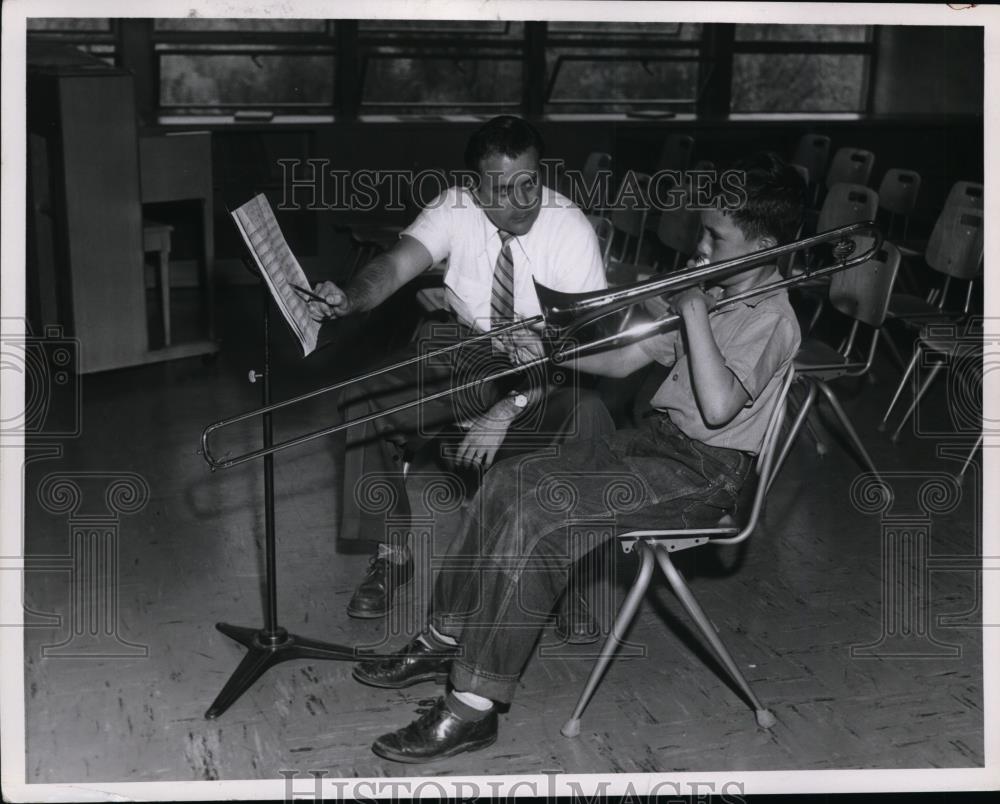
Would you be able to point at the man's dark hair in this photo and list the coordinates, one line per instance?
(774, 198)
(507, 135)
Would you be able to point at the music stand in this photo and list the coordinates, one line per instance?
(271, 644)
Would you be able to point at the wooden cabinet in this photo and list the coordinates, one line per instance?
(85, 267)
(86, 216)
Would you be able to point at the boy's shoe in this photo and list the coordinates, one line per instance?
(436, 734)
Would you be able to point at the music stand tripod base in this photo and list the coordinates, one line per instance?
(266, 649)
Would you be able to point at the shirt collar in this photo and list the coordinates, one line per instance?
(753, 301)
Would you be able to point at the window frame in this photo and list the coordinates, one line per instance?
(137, 46)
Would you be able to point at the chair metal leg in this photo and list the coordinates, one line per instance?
(571, 728)
(845, 422)
(764, 718)
(815, 316)
(792, 433)
(916, 399)
(890, 344)
(900, 387)
(821, 448)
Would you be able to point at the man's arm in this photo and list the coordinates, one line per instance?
(375, 282)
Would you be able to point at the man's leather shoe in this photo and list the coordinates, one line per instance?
(436, 734)
(414, 664)
(374, 595)
(575, 623)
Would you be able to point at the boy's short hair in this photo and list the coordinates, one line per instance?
(774, 195)
(507, 135)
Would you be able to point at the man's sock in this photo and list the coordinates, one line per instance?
(468, 705)
(435, 640)
(397, 554)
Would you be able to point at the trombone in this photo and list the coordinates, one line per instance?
(564, 315)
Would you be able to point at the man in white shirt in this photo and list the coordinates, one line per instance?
(496, 236)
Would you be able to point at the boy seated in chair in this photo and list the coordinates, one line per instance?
(684, 465)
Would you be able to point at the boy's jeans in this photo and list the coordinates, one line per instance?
(536, 515)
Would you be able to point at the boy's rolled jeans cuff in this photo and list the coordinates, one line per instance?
(467, 678)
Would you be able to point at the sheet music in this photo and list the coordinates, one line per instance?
(260, 230)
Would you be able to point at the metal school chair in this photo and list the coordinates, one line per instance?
(655, 546)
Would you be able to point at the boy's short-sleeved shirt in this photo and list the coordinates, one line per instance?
(560, 251)
(758, 339)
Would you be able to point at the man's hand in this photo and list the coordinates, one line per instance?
(337, 304)
(486, 433)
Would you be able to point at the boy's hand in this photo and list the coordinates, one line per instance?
(690, 301)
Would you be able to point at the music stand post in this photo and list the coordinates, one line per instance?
(271, 644)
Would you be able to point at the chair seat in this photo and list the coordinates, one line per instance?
(947, 345)
(818, 359)
(906, 307)
(625, 273)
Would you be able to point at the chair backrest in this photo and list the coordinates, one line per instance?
(863, 292)
(679, 229)
(605, 231)
(755, 489)
(898, 191)
(965, 194)
(676, 152)
(955, 247)
(850, 165)
(845, 204)
(803, 171)
(812, 153)
(630, 217)
(596, 161)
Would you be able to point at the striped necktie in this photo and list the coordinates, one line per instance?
(502, 300)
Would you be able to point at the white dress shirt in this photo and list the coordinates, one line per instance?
(560, 251)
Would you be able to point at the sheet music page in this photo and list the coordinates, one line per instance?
(260, 230)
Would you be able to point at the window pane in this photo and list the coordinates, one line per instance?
(441, 82)
(587, 84)
(493, 28)
(684, 31)
(196, 80)
(69, 24)
(801, 33)
(798, 82)
(259, 25)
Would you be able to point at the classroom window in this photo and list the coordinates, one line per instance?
(221, 80)
(801, 33)
(801, 68)
(220, 66)
(609, 68)
(93, 35)
(798, 82)
(411, 67)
